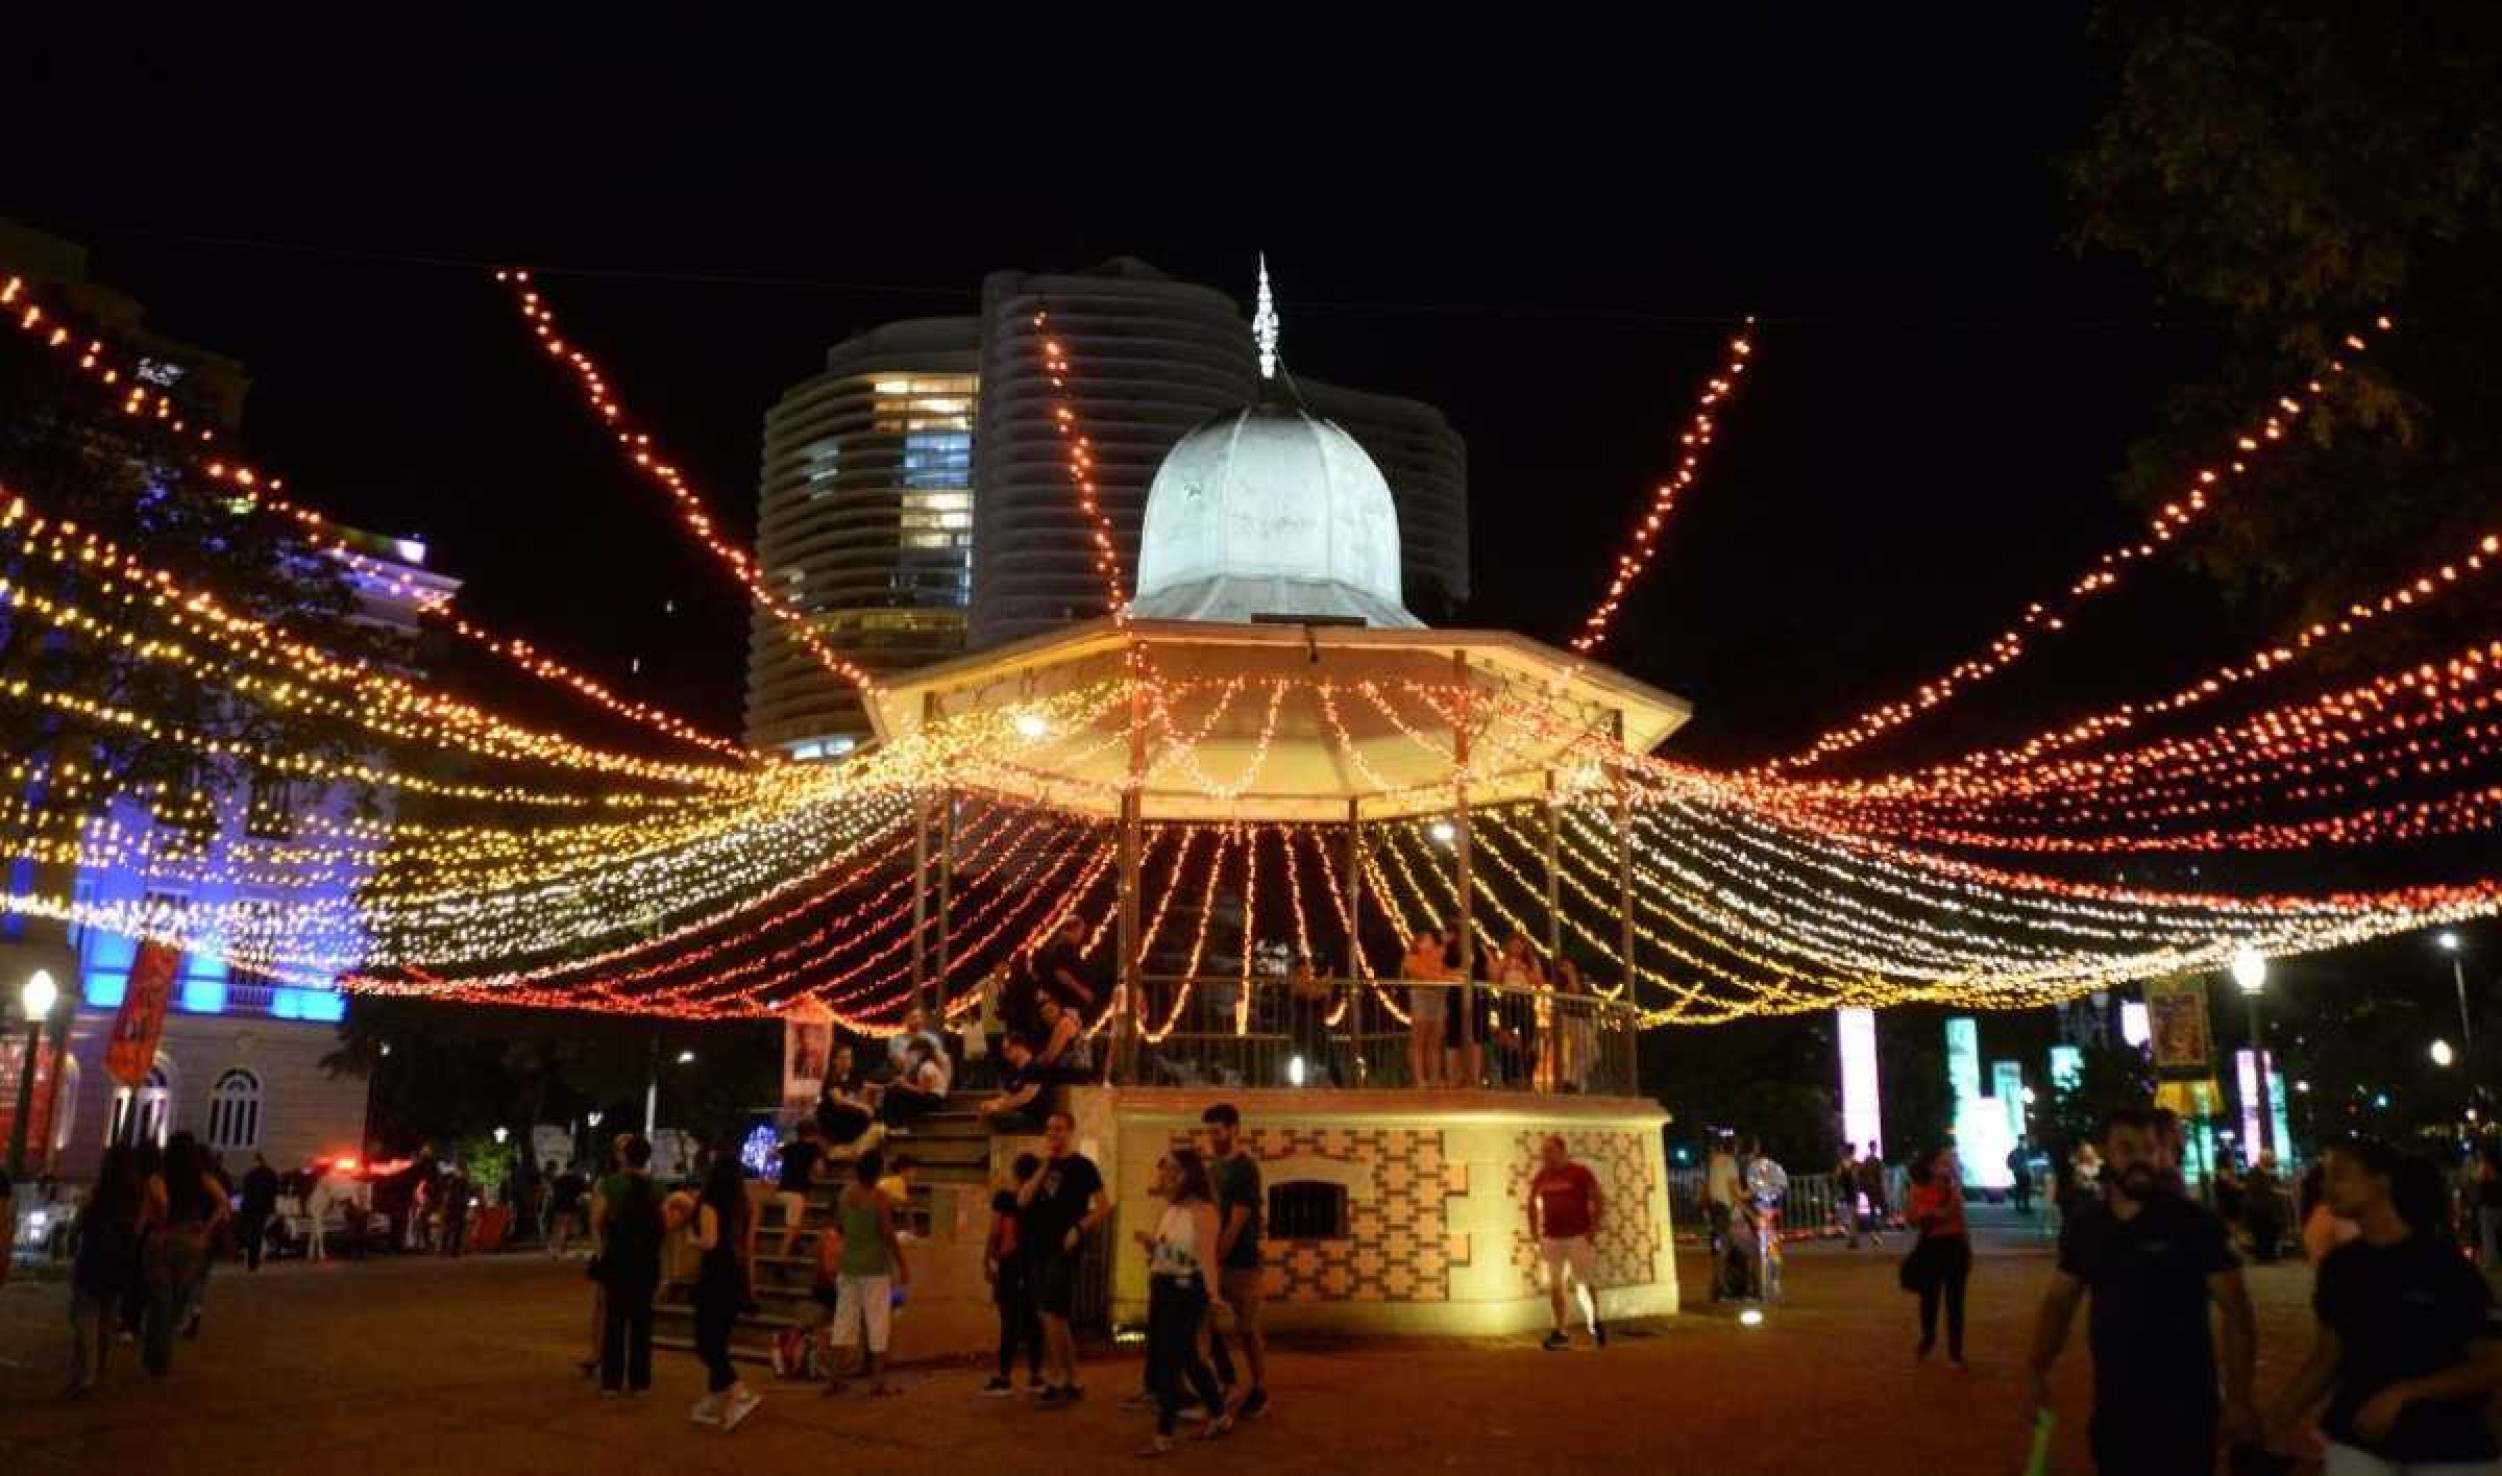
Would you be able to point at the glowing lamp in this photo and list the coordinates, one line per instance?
(1751, 1317)
(1032, 725)
(1445, 832)
(2441, 1053)
(686, 1058)
(39, 995)
(2250, 970)
(2449, 941)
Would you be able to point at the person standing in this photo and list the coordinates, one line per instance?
(565, 1189)
(1846, 1194)
(2020, 1175)
(868, 1275)
(177, 1254)
(2263, 1209)
(1941, 1258)
(1427, 999)
(110, 1226)
(1872, 1188)
(798, 1175)
(2488, 1203)
(2153, 1261)
(1066, 1200)
(1178, 1250)
(1242, 1275)
(1720, 1198)
(1006, 1266)
(1564, 1209)
(456, 1195)
(260, 1202)
(722, 1231)
(2409, 1344)
(626, 1222)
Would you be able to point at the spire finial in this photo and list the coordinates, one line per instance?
(1264, 324)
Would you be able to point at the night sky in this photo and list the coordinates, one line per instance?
(1943, 392)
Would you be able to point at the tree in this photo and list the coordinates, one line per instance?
(2109, 1074)
(2301, 170)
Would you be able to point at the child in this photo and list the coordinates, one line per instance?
(824, 1290)
(1011, 1284)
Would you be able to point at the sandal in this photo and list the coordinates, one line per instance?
(1162, 1445)
(1220, 1426)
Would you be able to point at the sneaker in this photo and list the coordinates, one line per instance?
(998, 1388)
(742, 1403)
(1142, 1400)
(1598, 1334)
(1254, 1404)
(1555, 1343)
(707, 1410)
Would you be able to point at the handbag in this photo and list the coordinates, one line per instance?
(1913, 1274)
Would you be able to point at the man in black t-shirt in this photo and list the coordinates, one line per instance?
(1242, 1279)
(2152, 1261)
(2409, 1346)
(1057, 1208)
(1063, 973)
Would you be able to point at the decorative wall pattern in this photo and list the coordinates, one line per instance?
(1399, 1247)
(1626, 1165)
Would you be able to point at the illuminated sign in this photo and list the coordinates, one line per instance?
(1862, 1121)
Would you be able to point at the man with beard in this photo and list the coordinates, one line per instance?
(2152, 1260)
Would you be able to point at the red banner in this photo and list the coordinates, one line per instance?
(131, 1051)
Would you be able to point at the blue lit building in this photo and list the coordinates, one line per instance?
(240, 1062)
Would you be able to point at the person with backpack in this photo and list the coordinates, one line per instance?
(627, 1221)
(722, 1232)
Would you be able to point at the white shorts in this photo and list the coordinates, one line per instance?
(1424, 1007)
(2345, 1460)
(794, 1207)
(862, 1301)
(1574, 1251)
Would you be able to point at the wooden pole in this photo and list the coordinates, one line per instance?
(946, 900)
(1554, 877)
(1467, 998)
(920, 895)
(1354, 887)
(1125, 936)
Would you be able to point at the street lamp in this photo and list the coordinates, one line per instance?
(2441, 1053)
(2250, 973)
(37, 999)
(2451, 945)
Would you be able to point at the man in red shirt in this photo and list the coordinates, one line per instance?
(1564, 1209)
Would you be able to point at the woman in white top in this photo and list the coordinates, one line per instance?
(1179, 1251)
(1426, 1000)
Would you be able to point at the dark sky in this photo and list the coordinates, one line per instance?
(1552, 249)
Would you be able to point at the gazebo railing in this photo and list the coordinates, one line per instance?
(1265, 1031)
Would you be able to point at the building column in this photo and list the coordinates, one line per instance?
(920, 895)
(1467, 996)
(1625, 940)
(946, 902)
(1554, 875)
(1354, 888)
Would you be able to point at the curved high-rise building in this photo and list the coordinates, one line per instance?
(1151, 358)
(865, 522)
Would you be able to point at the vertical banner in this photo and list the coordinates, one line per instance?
(2176, 1009)
(807, 1054)
(130, 1053)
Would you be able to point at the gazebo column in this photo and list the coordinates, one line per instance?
(946, 901)
(1467, 998)
(920, 895)
(1624, 863)
(1354, 888)
(1128, 989)
(1554, 876)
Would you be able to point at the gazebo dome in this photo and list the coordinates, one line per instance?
(1270, 511)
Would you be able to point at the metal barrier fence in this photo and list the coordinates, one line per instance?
(1225, 1030)
(1812, 1207)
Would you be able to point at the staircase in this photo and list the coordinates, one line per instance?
(952, 1146)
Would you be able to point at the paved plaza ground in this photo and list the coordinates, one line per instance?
(420, 1365)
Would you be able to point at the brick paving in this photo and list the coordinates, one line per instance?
(431, 1366)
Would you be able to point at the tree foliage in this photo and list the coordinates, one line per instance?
(2299, 170)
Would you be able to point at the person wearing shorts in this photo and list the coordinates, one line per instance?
(799, 1168)
(1426, 1003)
(1564, 1208)
(1242, 1278)
(1060, 1205)
(867, 1275)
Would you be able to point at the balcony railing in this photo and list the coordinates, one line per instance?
(1225, 1030)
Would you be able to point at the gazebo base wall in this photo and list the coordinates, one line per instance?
(1420, 1225)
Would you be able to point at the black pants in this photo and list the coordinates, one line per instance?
(716, 1312)
(1175, 1310)
(1948, 1266)
(901, 1105)
(253, 1230)
(2022, 1193)
(1019, 1323)
(2139, 1440)
(625, 1339)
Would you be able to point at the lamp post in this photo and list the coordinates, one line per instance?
(37, 999)
(2451, 945)
(2250, 973)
